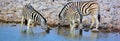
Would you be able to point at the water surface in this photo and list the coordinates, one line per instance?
(11, 32)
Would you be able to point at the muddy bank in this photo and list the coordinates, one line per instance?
(10, 11)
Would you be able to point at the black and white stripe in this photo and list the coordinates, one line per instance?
(84, 8)
(31, 15)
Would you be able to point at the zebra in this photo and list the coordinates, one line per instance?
(33, 16)
(84, 8)
(72, 15)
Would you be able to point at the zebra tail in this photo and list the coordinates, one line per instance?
(99, 17)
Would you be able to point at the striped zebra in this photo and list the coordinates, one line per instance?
(33, 16)
(84, 8)
(72, 15)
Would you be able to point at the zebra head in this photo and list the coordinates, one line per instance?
(29, 6)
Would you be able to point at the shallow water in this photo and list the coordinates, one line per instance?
(11, 32)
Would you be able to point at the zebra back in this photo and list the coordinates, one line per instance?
(83, 7)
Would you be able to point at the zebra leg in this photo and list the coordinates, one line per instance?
(21, 23)
(93, 21)
(80, 25)
(28, 25)
(96, 20)
(71, 25)
(72, 28)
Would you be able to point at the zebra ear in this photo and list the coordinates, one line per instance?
(28, 3)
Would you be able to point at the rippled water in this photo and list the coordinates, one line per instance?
(11, 32)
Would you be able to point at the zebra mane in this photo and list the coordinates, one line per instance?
(29, 6)
(40, 15)
(63, 8)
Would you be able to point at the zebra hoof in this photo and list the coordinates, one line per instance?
(91, 28)
(95, 30)
(48, 30)
(80, 31)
